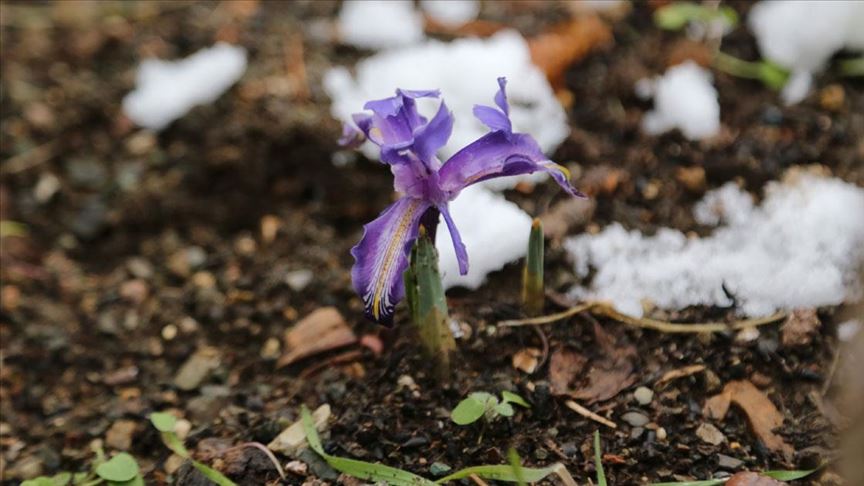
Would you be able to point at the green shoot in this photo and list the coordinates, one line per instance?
(516, 464)
(428, 306)
(486, 405)
(852, 67)
(770, 74)
(533, 293)
(368, 471)
(676, 16)
(778, 475)
(165, 423)
(598, 463)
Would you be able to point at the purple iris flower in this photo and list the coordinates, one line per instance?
(408, 143)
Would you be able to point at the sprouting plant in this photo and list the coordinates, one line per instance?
(677, 15)
(120, 470)
(598, 462)
(165, 423)
(368, 471)
(486, 405)
(768, 73)
(428, 306)
(533, 292)
(408, 144)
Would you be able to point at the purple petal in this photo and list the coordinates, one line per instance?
(381, 257)
(395, 119)
(501, 96)
(498, 154)
(434, 135)
(461, 254)
(351, 136)
(493, 118)
(419, 93)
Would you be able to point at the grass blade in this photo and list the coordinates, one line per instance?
(706, 482)
(503, 472)
(516, 464)
(598, 464)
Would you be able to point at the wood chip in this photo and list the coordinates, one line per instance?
(322, 330)
(761, 413)
(526, 360)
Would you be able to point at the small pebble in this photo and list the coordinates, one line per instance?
(169, 332)
(643, 395)
(439, 468)
(727, 462)
(636, 432)
(299, 279)
(710, 434)
(661, 433)
(635, 419)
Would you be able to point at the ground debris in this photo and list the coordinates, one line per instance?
(322, 330)
(196, 369)
(566, 44)
(752, 479)
(526, 359)
(762, 415)
(798, 329)
(292, 439)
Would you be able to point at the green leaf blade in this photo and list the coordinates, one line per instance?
(164, 422)
(468, 410)
(510, 397)
(120, 468)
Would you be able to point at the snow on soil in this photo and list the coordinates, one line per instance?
(451, 13)
(167, 90)
(684, 98)
(802, 247)
(380, 24)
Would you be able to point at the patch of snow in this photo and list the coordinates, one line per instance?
(728, 204)
(380, 24)
(802, 247)
(847, 330)
(802, 35)
(167, 90)
(684, 98)
(494, 231)
(451, 13)
(465, 71)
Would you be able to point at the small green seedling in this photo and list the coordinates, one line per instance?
(770, 74)
(428, 306)
(120, 470)
(677, 15)
(164, 423)
(372, 472)
(482, 404)
(533, 292)
(598, 463)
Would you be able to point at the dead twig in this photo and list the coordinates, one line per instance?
(589, 414)
(606, 310)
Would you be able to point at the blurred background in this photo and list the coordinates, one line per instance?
(174, 202)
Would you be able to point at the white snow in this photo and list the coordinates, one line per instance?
(684, 98)
(494, 231)
(380, 24)
(728, 204)
(802, 35)
(167, 90)
(465, 71)
(451, 13)
(802, 247)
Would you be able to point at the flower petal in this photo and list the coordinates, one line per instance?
(394, 120)
(501, 96)
(499, 154)
(381, 257)
(432, 136)
(496, 119)
(458, 246)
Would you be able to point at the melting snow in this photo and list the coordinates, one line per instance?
(451, 13)
(684, 98)
(380, 24)
(803, 35)
(802, 247)
(167, 90)
(465, 71)
(494, 230)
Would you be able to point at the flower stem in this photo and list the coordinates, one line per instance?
(533, 292)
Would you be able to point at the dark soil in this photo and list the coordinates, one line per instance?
(152, 247)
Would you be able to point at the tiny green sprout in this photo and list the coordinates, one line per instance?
(533, 292)
(482, 404)
(428, 306)
(598, 463)
(769, 73)
(852, 67)
(164, 423)
(120, 470)
(677, 15)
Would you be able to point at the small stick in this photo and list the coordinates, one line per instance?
(606, 310)
(589, 414)
(477, 480)
(564, 474)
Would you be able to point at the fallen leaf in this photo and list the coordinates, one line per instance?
(566, 215)
(322, 330)
(526, 360)
(761, 413)
(566, 44)
(752, 479)
(607, 375)
(799, 328)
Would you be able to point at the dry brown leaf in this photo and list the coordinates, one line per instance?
(566, 44)
(752, 479)
(761, 413)
(322, 330)
(799, 328)
(567, 215)
(606, 376)
(527, 359)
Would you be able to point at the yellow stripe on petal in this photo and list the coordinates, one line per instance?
(391, 256)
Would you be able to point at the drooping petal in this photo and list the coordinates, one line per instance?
(498, 154)
(381, 257)
(351, 136)
(458, 246)
(432, 136)
(496, 119)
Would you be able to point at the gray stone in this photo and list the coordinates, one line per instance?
(635, 419)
